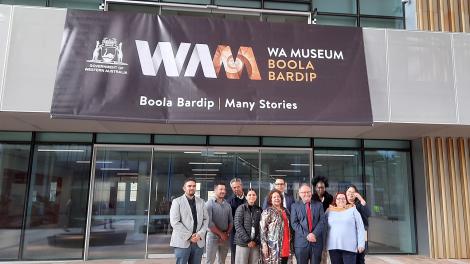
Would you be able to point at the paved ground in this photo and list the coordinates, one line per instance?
(378, 259)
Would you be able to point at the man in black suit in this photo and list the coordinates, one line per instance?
(280, 184)
(307, 220)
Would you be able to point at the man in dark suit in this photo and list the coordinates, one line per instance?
(308, 221)
(235, 201)
(280, 184)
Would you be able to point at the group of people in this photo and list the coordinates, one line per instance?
(317, 227)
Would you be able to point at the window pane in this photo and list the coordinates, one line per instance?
(57, 202)
(285, 18)
(233, 141)
(76, 4)
(341, 167)
(150, 9)
(390, 197)
(286, 142)
(286, 5)
(123, 138)
(382, 23)
(239, 3)
(201, 2)
(24, 2)
(179, 140)
(15, 136)
(293, 166)
(120, 203)
(13, 177)
(337, 143)
(381, 7)
(383, 144)
(64, 137)
(237, 17)
(335, 6)
(336, 21)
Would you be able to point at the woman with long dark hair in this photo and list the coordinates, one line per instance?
(355, 198)
(247, 235)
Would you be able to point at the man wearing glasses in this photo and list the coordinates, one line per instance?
(280, 184)
(307, 220)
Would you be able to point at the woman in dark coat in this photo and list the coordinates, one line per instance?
(247, 234)
(354, 197)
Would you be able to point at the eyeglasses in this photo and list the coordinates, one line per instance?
(340, 199)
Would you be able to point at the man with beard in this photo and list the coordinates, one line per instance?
(189, 219)
(220, 226)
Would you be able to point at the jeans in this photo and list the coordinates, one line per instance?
(190, 255)
(342, 257)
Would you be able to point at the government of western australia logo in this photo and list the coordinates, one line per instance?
(107, 57)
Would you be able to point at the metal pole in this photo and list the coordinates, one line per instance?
(148, 207)
(90, 205)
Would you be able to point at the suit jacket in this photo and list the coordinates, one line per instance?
(299, 223)
(181, 219)
(289, 201)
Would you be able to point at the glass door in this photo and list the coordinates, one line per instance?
(172, 165)
(292, 165)
(133, 188)
(119, 216)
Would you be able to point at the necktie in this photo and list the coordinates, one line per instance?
(309, 217)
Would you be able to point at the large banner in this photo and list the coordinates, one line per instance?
(142, 67)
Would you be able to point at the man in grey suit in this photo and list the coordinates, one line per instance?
(189, 219)
(308, 221)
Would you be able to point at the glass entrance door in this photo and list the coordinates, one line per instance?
(133, 188)
(118, 227)
(172, 165)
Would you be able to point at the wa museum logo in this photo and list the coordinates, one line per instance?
(211, 66)
(107, 57)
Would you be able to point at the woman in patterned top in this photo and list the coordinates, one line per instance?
(275, 231)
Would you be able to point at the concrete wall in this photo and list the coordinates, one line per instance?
(32, 54)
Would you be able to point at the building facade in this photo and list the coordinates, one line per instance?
(95, 189)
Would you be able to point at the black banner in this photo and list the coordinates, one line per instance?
(142, 67)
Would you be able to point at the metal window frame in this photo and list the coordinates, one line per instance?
(358, 15)
(212, 8)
